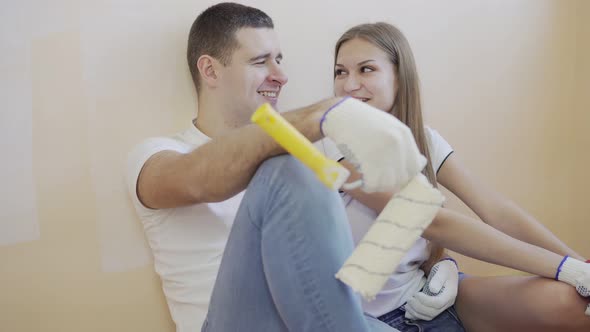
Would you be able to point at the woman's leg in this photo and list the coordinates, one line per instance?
(289, 238)
(518, 303)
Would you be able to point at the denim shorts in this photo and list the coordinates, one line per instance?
(447, 321)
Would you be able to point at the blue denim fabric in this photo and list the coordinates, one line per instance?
(447, 321)
(288, 240)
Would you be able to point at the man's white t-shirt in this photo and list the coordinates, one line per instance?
(187, 242)
(408, 278)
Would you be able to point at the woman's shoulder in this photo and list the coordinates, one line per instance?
(438, 147)
(431, 133)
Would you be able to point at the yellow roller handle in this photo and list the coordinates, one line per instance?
(330, 173)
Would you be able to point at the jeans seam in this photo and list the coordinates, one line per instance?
(297, 245)
(452, 311)
(309, 284)
(411, 323)
(264, 181)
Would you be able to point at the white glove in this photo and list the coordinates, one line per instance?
(577, 274)
(380, 146)
(438, 294)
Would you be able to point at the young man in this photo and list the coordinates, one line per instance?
(290, 235)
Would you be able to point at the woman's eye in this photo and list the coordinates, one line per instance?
(366, 69)
(339, 72)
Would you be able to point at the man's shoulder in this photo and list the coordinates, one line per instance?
(182, 142)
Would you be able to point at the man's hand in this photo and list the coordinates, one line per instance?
(438, 294)
(379, 146)
(577, 274)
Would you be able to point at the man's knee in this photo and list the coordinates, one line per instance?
(286, 170)
(285, 180)
(279, 165)
(283, 187)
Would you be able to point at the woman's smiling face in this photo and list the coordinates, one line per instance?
(365, 72)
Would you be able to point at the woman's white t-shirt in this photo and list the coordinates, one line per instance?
(408, 278)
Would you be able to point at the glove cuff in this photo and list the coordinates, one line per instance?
(328, 111)
(450, 259)
(569, 270)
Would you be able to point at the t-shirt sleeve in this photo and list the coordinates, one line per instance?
(439, 148)
(138, 157)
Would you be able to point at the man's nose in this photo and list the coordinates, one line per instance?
(278, 75)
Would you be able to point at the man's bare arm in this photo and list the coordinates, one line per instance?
(220, 168)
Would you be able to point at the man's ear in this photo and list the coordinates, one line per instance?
(208, 70)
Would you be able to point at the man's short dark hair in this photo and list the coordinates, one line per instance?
(214, 32)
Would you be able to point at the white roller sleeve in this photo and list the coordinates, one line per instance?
(399, 225)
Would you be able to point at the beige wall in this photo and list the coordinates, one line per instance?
(582, 121)
(506, 82)
(518, 90)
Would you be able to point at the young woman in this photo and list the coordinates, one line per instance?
(374, 63)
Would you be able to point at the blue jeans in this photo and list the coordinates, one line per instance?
(289, 238)
(447, 321)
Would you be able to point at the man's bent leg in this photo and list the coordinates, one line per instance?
(289, 238)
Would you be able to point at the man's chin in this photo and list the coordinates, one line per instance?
(272, 101)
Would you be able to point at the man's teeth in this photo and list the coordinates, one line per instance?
(271, 94)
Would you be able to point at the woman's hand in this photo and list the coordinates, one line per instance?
(577, 274)
(377, 144)
(438, 294)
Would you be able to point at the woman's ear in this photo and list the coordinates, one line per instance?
(208, 70)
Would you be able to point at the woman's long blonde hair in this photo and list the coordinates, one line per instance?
(407, 106)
